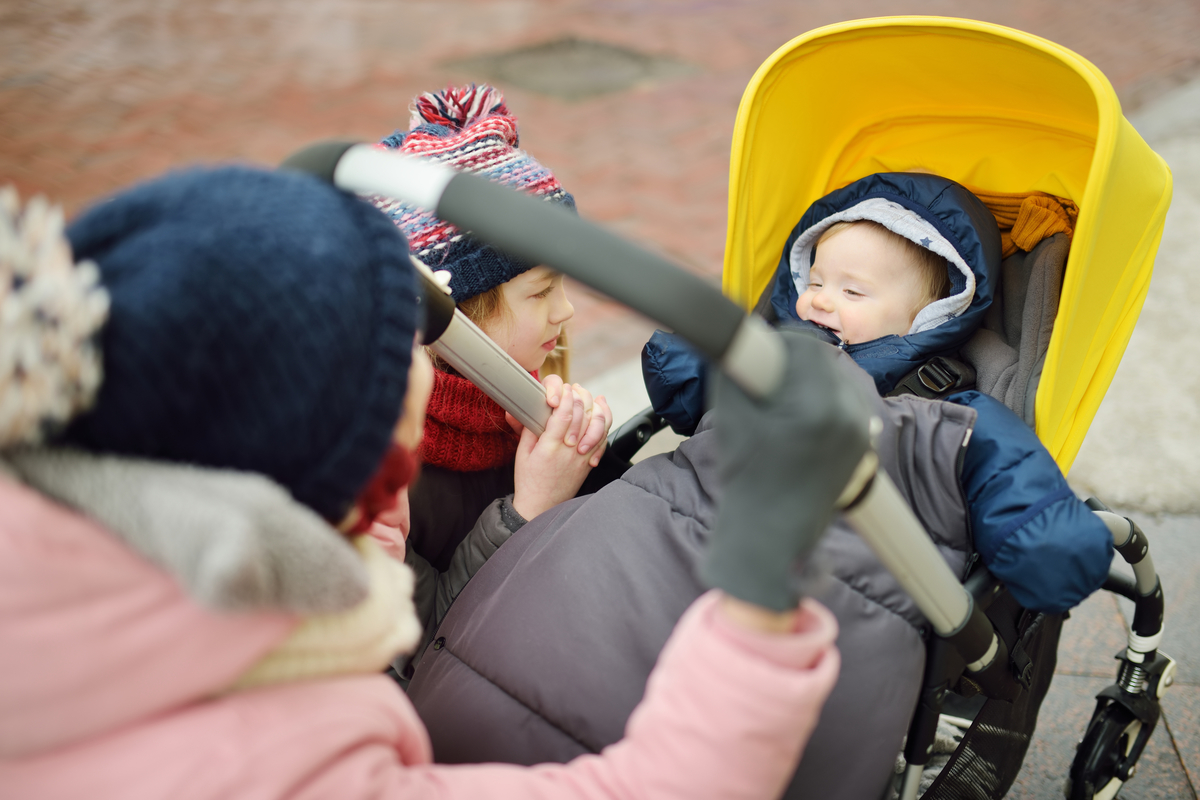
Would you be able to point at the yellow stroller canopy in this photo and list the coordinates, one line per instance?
(990, 107)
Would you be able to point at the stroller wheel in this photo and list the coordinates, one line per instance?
(1095, 772)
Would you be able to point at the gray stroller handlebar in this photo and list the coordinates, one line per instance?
(744, 346)
(748, 350)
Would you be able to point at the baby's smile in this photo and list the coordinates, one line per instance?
(834, 331)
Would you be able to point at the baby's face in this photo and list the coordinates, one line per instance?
(861, 287)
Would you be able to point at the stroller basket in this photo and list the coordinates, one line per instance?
(992, 750)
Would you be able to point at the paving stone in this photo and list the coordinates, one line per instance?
(95, 95)
(1181, 713)
(1061, 724)
(1091, 637)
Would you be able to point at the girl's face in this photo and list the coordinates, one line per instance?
(531, 318)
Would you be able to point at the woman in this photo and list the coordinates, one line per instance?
(217, 636)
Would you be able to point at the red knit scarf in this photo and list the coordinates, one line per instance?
(465, 430)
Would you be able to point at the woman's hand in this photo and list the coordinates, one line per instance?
(589, 430)
(550, 468)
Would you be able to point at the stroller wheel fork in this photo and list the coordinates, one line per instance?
(1120, 727)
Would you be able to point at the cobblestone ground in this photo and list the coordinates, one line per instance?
(95, 95)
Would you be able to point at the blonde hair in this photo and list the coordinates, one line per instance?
(932, 269)
(490, 305)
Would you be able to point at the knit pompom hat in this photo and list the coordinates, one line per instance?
(258, 321)
(50, 311)
(470, 129)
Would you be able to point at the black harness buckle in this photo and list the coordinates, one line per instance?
(936, 378)
(935, 375)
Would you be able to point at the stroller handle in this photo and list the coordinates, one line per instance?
(748, 350)
(745, 347)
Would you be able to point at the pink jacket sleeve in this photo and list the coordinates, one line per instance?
(726, 715)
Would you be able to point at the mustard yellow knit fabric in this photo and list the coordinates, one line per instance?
(1029, 217)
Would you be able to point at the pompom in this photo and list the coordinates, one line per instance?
(50, 312)
(457, 107)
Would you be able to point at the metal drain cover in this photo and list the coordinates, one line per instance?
(572, 69)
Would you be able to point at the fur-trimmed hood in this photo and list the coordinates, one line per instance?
(935, 213)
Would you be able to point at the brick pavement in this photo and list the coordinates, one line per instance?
(96, 95)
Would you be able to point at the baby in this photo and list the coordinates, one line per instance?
(895, 269)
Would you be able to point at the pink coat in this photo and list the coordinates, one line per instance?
(112, 685)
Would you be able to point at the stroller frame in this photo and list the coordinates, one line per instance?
(1126, 711)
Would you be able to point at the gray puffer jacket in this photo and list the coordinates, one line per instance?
(546, 652)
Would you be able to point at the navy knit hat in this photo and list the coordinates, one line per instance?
(471, 130)
(259, 321)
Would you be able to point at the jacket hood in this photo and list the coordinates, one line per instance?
(936, 213)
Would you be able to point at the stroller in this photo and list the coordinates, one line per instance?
(1014, 114)
(1038, 119)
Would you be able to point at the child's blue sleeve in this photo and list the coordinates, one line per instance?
(676, 378)
(1028, 526)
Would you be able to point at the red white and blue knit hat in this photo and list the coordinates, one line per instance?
(470, 129)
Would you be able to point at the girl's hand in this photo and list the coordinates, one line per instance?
(548, 470)
(589, 431)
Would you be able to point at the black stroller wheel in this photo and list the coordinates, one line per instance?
(1108, 741)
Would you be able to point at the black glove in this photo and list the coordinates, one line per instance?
(784, 460)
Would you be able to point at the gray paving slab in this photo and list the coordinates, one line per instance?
(1143, 449)
(1181, 715)
(1091, 637)
(1061, 723)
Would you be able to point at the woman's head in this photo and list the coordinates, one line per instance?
(259, 321)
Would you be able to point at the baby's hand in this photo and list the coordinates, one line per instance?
(549, 470)
(590, 430)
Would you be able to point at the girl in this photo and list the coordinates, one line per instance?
(483, 477)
